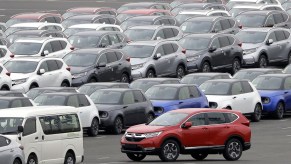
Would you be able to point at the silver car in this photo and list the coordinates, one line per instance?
(10, 151)
(156, 58)
(265, 46)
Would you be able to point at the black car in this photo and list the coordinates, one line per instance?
(121, 107)
(102, 65)
(146, 83)
(33, 93)
(198, 6)
(90, 88)
(11, 94)
(14, 102)
(98, 39)
(208, 52)
(199, 78)
(251, 74)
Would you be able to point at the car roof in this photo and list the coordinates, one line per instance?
(227, 80)
(12, 98)
(105, 83)
(265, 29)
(36, 15)
(205, 35)
(120, 89)
(94, 33)
(33, 58)
(208, 74)
(260, 69)
(208, 18)
(35, 32)
(199, 110)
(88, 17)
(148, 17)
(199, 11)
(92, 25)
(157, 79)
(142, 11)
(243, 0)
(7, 92)
(53, 88)
(174, 85)
(96, 51)
(34, 39)
(63, 93)
(195, 4)
(277, 75)
(33, 24)
(151, 27)
(141, 4)
(259, 12)
(87, 9)
(148, 43)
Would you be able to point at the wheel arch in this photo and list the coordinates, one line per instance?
(235, 136)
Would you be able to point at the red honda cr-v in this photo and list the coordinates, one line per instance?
(197, 132)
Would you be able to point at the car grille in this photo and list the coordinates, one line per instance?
(131, 147)
(134, 137)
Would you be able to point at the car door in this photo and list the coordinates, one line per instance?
(103, 73)
(130, 109)
(248, 96)
(56, 74)
(287, 93)
(283, 44)
(226, 27)
(6, 152)
(185, 99)
(273, 48)
(85, 110)
(141, 107)
(226, 48)
(113, 66)
(238, 101)
(115, 42)
(168, 33)
(217, 56)
(45, 79)
(196, 99)
(171, 55)
(162, 62)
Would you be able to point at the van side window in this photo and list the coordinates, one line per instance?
(29, 127)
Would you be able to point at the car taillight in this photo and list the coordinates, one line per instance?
(68, 68)
(21, 147)
(240, 26)
(72, 48)
(12, 56)
(184, 51)
(8, 73)
(246, 123)
(128, 59)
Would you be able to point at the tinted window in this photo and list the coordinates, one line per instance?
(4, 141)
(138, 97)
(231, 40)
(50, 19)
(285, 17)
(83, 101)
(106, 29)
(217, 27)
(103, 20)
(236, 88)
(231, 22)
(232, 117)
(120, 37)
(63, 43)
(272, 36)
(114, 39)
(29, 126)
(216, 118)
(60, 64)
(247, 87)
(280, 35)
(198, 119)
(225, 24)
(270, 21)
(56, 45)
(160, 34)
(73, 101)
(16, 103)
(128, 98)
(215, 43)
(48, 47)
(169, 33)
(111, 20)
(168, 48)
(44, 66)
(287, 83)
(175, 31)
(194, 92)
(278, 18)
(175, 47)
(52, 65)
(111, 57)
(287, 34)
(184, 93)
(119, 55)
(102, 59)
(26, 102)
(105, 41)
(224, 41)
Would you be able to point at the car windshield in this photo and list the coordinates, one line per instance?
(131, 7)
(4, 104)
(139, 34)
(11, 30)
(25, 48)
(89, 89)
(106, 97)
(43, 100)
(14, 21)
(191, 43)
(11, 38)
(169, 119)
(268, 83)
(215, 88)
(129, 23)
(122, 17)
(80, 41)
(138, 51)
(198, 80)
(9, 125)
(248, 75)
(33, 93)
(162, 93)
(251, 20)
(196, 27)
(70, 14)
(144, 85)
(80, 59)
(71, 31)
(251, 36)
(183, 17)
(70, 22)
(21, 66)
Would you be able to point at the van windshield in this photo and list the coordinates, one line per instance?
(9, 125)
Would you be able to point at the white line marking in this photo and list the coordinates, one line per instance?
(101, 137)
(283, 120)
(286, 128)
(104, 158)
(288, 135)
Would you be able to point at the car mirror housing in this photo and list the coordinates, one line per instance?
(187, 125)
(20, 129)
(41, 71)
(269, 41)
(212, 49)
(101, 65)
(157, 56)
(45, 52)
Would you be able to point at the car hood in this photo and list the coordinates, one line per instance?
(75, 70)
(17, 76)
(142, 128)
(267, 93)
(247, 46)
(194, 53)
(107, 108)
(135, 61)
(218, 98)
(164, 103)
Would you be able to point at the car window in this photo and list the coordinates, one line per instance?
(287, 83)
(223, 41)
(50, 19)
(175, 47)
(138, 97)
(231, 22)
(52, 65)
(103, 20)
(119, 55)
(160, 34)
(83, 101)
(48, 48)
(114, 39)
(287, 34)
(58, 28)
(270, 21)
(2, 52)
(111, 57)
(56, 45)
(58, 19)
(194, 92)
(231, 117)
(198, 119)
(44, 66)
(120, 37)
(102, 59)
(172, 21)
(216, 118)
(280, 35)
(217, 26)
(73, 101)
(16, 103)
(128, 98)
(104, 12)
(60, 64)
(105, 41)
(225, 24)
(29, 126)
(26, 102)
(246, 87)
(160, 50)
(272, 36)
(236, 88)
(63, 43)
(168, 48)
(278, 18)
(184, 93)
(215, 43)
(112, 20)
(4, 141)
(231, 40)
(216, 14)
(285, 17)
(175, 31)
(168, 33)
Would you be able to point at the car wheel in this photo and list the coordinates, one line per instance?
(199, 156)
(205, 67)
(69, 158)
(262, 63)
(150, 118)
(32, 159)
(65, 84)
(279, 113)
(170, 151)
(135, 157)
(236, 65)
(118, 126)
(124, 78)
(150, 74)
(233, 150)
(180, 72)
(256, 116)
(16, 161)
(94, 129)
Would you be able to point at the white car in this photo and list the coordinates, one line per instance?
(5, 54)
(47, 46)
(91, 27)
(240, 8)
(89, 114)
(232, 3)
(234, 94)
(34, 26)
(27, 73)
(185, 15)
(5, 80)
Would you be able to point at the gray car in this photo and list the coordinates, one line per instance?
(252, 73)
(89, 88)
(11, 152)
(146, 83)
(199, 78)
(265, 46)
(156, 58)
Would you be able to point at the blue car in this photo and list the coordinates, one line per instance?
(167, 97)
(275, 92)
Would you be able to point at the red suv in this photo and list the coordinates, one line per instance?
(197, 132)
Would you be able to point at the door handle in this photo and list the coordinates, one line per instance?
(226, 127)
(36, 138)
(234, 97)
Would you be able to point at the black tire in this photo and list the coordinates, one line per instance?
(199, 156)
(124, 78)
(118, 126)
(94, 128)
(16, 161)
(262, 62)
(205, 67)
(170, 151)
(92, 80)
(65, 84)
(180, 72)
(69, 158)
(150, 118)
(33, 86)
(236, 66)
(32, 159)
(233, 150)
(279, 113)
(256, 116)
(4, 88)
(135, 157)
(150, 74)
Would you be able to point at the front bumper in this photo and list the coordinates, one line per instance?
(20, 87)
(79, 81)
(267, 108)
(193, 66)
(249, 60)
(146, 146)
(137, 74)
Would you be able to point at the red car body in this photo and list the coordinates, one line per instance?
(207, 139)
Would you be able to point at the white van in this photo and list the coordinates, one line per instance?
(49, 134)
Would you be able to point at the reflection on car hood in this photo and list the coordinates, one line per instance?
(246, 46)
(75, 70)
(135, 61)
(16, 76)
(164, 103)
(108, 108)
(270, 93)
(142, 128)
(194, 52)
(218, 98)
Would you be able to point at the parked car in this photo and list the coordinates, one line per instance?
(28, 73)
(11, 94)
(156, 58)
(89, 10)
(47, 46)
(15, 102)
(176, 3)
(286, 5)
(11, 151)
(34, 92)
(146, 83)
(98, 39)
(251, 74)
(232, 3)
(234, 94)
(209, 52)
(200, 78)
(143, 5)
(275, 92)
(185, 15)
(153, 32)
(184, 124)
(198, 6)
(122, 16)
(238, 9)
(120, 107)
(91, 27)
(265, 46)
(211, 24)
(102, 65)
(168, 97)
(90, 88)
(5, 54)
(5, 80)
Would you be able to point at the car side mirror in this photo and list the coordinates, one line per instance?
(101, 65)
(45, 52)
(269, 25)
(187, 125)
(41, 71)
(159, 38)
(214, 31)
(269, 41)
(212, 49)
(20, 129)
(102, 45)
(157, 56)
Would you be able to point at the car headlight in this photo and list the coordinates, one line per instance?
(76, 76)
(265, 100)
(193, 58)
(158, 109)
(213, 105)
(151, 135)
(137, 66)
(103, 114)
(249, 51)
(19, 81)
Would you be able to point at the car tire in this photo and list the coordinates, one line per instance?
(199, 156)
(69, 158)
(150, 118)
(16, 161)
(233, 150)
(4, 88)
(256, 116)
(32, 159)
(135, 157)
(94, 128)
(205, 67)
(124, 78)
(262, 62)
(236, 66)
(180, 72)
(118, 125)
(150, 74)
(279, 112)
(170, 151)
(65, 84)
